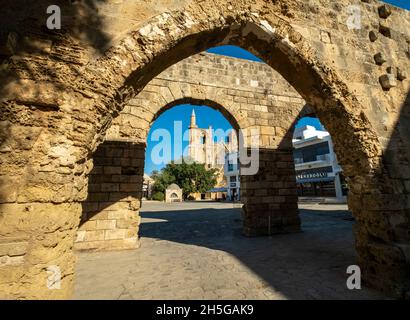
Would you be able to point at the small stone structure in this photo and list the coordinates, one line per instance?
(173, 193)
(61, 90)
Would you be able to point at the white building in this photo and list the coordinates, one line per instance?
(317, 170)
(147, 184)
(231, 172)
(203, 148)
(173, 193)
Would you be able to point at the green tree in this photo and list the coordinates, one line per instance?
(159, 196)
(190, 177)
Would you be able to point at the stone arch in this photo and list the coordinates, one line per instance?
(273, 39)
(157, 106)
(110, 218)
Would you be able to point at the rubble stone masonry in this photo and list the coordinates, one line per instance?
(109, 68)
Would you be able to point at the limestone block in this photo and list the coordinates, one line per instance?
(80, 236)
(379, 58)
(115, 234)
(48, 95)
(112, 170)
(325, 37)
(391, 70)
(109, 187)
(99, 215)
(88, 226)
(8, 43)
(384, 29)
(94, 235)
(13, 248)
(127, 223)
(373, 36)
(105, 224)
(109, 206)
(116, 244)
(121, 214)
(401, 74)
(11, 261)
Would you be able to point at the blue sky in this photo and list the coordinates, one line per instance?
(234, 51)
(207, 116)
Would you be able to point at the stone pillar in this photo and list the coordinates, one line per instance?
(381, 233)
(110, 217)
(270, 197)
(36, 257)
(338, 187)
(42, 183)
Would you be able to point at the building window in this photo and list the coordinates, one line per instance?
(232, 179)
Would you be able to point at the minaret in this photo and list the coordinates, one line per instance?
(193, 137)
(193, 120)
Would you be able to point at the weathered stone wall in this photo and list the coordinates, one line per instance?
(252, 96)
(249, 94)
(61, 89)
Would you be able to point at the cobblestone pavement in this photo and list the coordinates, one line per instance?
(196, 251)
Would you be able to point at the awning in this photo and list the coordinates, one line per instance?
(223, 189)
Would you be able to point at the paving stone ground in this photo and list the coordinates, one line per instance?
(195, 250)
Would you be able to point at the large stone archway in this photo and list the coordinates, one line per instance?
(58, 103)
(250, 95)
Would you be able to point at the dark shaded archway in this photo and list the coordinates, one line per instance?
(81, 108)
(275, 41)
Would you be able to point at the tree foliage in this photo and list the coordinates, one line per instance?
(190, 177)
(158, 196)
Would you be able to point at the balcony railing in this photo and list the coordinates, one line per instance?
(321, 157)
(298, 160)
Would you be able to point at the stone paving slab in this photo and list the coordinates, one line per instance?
(196, 251)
